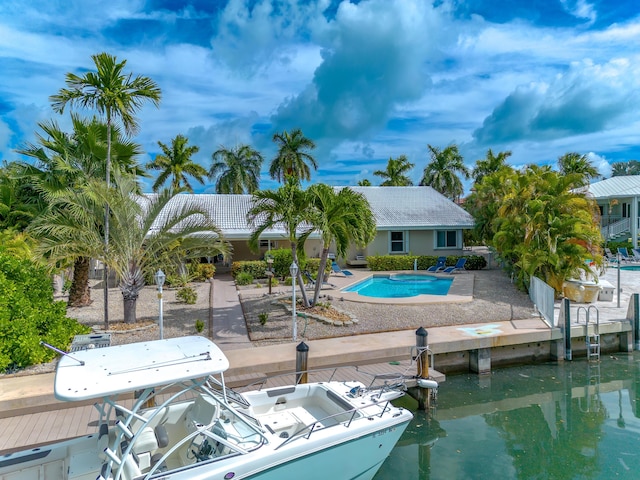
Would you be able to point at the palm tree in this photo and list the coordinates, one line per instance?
(19, 204)
(237, 169)
(116, 95)
(342, 218)
(395, 173)
(440, 173)
(66, 162)
(573, 162)
(287, 206)
(176, 163)
(490, 164)
(143, 228)
(293, 158)
(365, 182)
(632, 167)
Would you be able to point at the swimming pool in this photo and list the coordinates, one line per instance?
(401, 286)
(633, 268)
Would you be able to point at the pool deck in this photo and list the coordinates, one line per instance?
(461, 290)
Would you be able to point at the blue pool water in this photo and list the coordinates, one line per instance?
(633, 268)
(401, 286)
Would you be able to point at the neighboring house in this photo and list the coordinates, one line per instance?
(617, 198)
(416, 220)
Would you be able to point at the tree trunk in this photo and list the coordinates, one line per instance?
(320, 276)
(130, 309)
(294, 254)
(79, 293)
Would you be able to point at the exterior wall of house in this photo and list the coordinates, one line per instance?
(241, 251)
(414, 242)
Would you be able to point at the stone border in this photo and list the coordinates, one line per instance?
(320, 318)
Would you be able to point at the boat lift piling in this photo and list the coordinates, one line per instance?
(425, 388)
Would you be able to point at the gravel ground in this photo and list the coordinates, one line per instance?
(494, 299)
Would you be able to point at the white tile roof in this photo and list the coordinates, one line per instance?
(622, 186)
(414, 208)
(410, 208)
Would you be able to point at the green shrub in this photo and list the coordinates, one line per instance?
(263, 317)
(255, 268)
(199, 326)
(475, 262)
(244, 278)
(406, 262)
(282, 260)
(187, 295)
(29, 315)
(203, 271)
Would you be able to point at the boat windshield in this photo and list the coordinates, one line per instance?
(190, 423)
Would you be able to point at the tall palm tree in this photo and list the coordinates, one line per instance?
(441, 174)
(143, 228)
(573, 162)
(342, 218)
(65, 162)
(632, 167)
(287, 206)
(116, 95)
(293, 157)
(395, 173)
(365, 182)
(176, 164)
(490, 164)
(237, 169)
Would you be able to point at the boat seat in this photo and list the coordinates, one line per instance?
(148, 442)
(204, 411)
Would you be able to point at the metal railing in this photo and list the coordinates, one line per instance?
(542, 296)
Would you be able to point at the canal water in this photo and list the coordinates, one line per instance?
(575, 420)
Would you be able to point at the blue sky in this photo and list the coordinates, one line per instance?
(366, 80)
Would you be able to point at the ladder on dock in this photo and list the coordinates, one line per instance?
(592, 332)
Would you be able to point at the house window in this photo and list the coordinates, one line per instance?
(265, 243)
(397, 242)
(447, 239)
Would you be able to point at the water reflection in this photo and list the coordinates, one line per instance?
(570, 421)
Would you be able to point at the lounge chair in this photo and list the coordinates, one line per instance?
(458, 266)
(624, 254)
(336, 269)
(311, 282)
(611, 258)
(440, 265)
(636, 254)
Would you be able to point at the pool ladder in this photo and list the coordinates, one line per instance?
(592, 333)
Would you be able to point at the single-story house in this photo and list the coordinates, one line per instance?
(618, 200)
(416, 220)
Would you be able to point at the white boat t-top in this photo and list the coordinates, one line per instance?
(165, 412)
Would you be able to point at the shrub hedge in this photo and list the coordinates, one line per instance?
(29, 315)
(406, 262)
(281, 262)
(258, 268)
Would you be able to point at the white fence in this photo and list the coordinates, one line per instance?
(542, 296)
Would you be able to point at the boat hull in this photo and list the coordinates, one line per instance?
(357, 459)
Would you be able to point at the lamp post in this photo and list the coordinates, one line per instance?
(160, 278)
(293, 269)
(270, 271)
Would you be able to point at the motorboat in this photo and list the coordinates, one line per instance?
(165, 412)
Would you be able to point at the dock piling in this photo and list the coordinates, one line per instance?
(302, 355)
